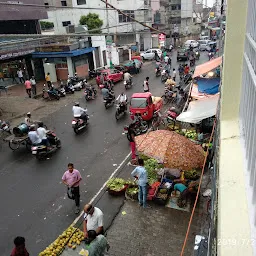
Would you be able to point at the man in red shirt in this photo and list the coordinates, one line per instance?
(28, 87)
(186, 69)
(72, 178)
(20, 249)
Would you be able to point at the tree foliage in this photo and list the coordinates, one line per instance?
(92, 21)
(46, 25)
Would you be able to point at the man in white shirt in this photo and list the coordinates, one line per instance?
(20, 75)
(42, 133)
(79, 112)
(33, 136)
(93, 220)
(127, 77)
(146, 85)
(122, 99)
(174, 74)
(166, 59)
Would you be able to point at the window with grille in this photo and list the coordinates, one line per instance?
(123, 18)
(66, 23)
(80, 2)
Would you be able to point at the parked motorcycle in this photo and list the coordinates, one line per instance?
(79, 124)
(108, 102)
(128, 84)
(164, 76)
(41, 151)
(168, 96)
(92, 74)
(158, 72)
(89, 92)
(68, 88)
(120, 111)
(140, 127)
(51, 94)
(77, 86)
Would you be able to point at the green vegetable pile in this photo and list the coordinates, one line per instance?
(132, 190)
(116, 184)
(151, 165)
(191, 175)
(191, 134)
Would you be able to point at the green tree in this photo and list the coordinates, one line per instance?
(92, 21)
(46, 25)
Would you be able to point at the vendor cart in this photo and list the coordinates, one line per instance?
(15, 142)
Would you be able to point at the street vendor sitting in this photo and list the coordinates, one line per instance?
(96, 245)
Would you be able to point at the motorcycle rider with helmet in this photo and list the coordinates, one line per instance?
(122, 99)
(79, 112)
(106, 93)
(128, 77)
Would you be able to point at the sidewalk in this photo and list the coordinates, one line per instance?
(157, 231)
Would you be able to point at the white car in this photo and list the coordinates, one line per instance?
(203, 44)
(192, 43)
(150, 54)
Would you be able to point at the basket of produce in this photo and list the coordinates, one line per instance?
(192, 175)
(191, 134)
(161, 196)
(117, 186)
(153, 190)
(132, 192)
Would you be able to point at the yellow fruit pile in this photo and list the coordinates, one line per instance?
(58, 245)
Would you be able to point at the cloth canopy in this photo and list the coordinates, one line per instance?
(199, 110)
(206, 67)
(208, 85)
(199, 95)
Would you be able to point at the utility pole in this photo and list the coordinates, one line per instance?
(221, 27)
(109, 45)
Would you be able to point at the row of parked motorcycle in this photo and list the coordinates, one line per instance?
(73, 84)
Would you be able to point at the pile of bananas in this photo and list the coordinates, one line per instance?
(191, 134)
(64, 239)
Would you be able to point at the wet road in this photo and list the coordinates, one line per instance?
(34, 202)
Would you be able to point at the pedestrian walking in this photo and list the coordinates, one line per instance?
(48, 80)
(28, 87)
(140, 174)
(71, 179)
(20, 248)
(20, 75)
(174, 74)
(166, 59)
(93, 220)
(131, 138)
(33, 84)
(146, 85)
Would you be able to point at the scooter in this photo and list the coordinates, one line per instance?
(128, 84)
(41, 151)
(158, 72)
(120, 111)
(89, 91)
(77, 86)
(51, 94)
(108, 102)
(164, 76)
(79, 124)
(68, 88)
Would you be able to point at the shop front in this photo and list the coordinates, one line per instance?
(11, 62)
(64, 60)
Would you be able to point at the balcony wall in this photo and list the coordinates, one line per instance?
(234, 230)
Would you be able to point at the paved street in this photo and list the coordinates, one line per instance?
(34, 201)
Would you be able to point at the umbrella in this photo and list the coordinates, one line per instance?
(173, 150)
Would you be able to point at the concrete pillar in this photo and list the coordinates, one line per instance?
(70, 66)
(94, 59)
(130, 54)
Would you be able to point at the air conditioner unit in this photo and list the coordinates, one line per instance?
(70, 29)
(82, 44)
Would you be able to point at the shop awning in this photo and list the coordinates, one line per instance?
(73, 53)
(206, 67)
(199, 110)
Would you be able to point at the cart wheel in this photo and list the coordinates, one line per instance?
(14, 145)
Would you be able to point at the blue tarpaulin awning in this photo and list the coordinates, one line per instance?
(208, 85)
(73, 53)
